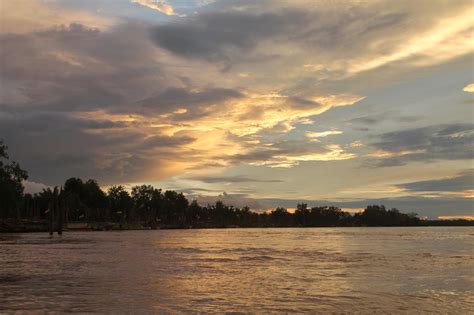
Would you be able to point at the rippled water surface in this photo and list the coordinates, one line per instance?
(249, 270)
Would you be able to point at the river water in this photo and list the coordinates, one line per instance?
(395, 270)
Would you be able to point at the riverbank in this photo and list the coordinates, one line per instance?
(26, 226)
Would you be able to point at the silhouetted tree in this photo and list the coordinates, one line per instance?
(11, 184)
(376, 215)
(75, 195)
(281, 217)
(302, 214)
(195, 214)
(174, 208)
(120, 202)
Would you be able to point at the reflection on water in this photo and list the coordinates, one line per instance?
(269, 270)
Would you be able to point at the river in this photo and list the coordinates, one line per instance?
(393, 270)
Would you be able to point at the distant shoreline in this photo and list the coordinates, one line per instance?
(29, 226)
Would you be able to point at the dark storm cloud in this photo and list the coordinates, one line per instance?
(439, 142)
(77, 68)
(54, 147)
(463, 181)
(233, 179)
(224, 34)
(164, 141)
(213, 36)
(194, 101)
(50, 76)
(55, 122)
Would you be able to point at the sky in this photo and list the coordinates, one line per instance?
(262, 103)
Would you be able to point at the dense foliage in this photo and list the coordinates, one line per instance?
(84, 201)
(11, 187)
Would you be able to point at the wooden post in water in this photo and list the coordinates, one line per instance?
(51, 218)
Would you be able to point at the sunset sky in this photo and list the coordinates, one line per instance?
(258, 103)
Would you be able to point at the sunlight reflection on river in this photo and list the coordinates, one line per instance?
(269, 270)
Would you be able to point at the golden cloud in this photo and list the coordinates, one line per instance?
(469, 88)
(230, 128)
(158, 5)
(449, 38)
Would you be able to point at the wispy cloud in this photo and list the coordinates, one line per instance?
(447, 39)
(232, 179)
(461, 185)
(159, 5)
(376, 35)
(463, 181)
(431, 143)
(322, 134)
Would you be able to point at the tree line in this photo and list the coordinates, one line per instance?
(85, 201)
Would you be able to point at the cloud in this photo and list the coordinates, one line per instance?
(438, 142)
(54, 147)
(456, 217)
(356, 144)
(322, 134)
(25, 16)
(469, 88)
(159, 5)
(68, 107)
(33, 187)
(218, 35)
(368, 119)
(378, 118)
(446, 39)
(263, 112)
(82, 67)
(193, 103)
(459, 183)
(287, 154)
(114, 110)
(232, 179)
(348, 37)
